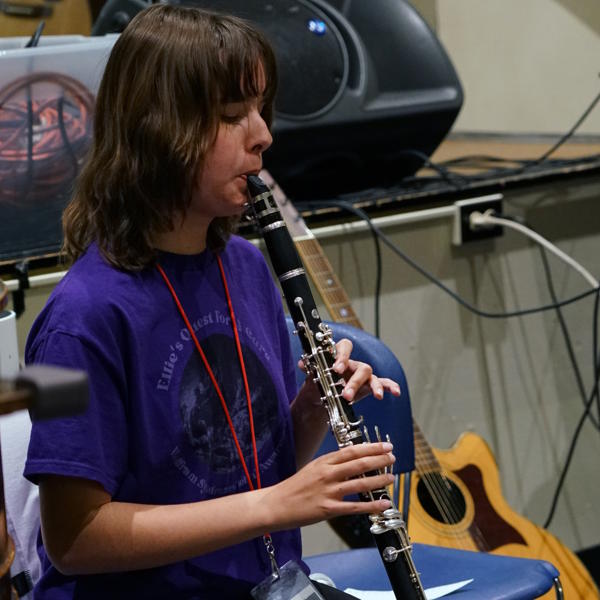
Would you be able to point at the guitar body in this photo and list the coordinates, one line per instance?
(476, 516)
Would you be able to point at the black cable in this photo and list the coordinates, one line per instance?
(571, 450)
(482, 313)
(377, 284)
(566, 334)
(378, 262)
(478, 159)
(459, 180)
(571, 131)
(439, 168)
(596, 365)
(30, 175)
(528, 164)
(587, 402)
(65, 138)
(35, 38)
(33, 41)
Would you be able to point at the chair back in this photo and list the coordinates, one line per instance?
(392, 414)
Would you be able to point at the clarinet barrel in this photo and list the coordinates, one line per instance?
(388, 528)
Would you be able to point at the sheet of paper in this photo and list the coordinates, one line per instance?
(431, 593)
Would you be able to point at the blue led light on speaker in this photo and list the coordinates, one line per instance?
(317, 26)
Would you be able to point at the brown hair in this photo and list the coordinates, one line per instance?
(158, 110)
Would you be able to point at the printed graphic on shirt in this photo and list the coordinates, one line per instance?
(204, 422)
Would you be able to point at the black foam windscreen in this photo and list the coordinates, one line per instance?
(309, 58)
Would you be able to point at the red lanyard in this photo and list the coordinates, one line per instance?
(212, 376)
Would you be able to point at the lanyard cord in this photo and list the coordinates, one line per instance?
(214, 379)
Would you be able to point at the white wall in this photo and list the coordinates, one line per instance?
(526, 66)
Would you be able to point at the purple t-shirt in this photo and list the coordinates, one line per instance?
(155, 431)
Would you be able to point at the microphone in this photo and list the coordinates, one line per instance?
(46, 391)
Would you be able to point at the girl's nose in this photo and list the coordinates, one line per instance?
(260, 136)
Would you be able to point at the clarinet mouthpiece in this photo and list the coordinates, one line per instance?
(256, 185)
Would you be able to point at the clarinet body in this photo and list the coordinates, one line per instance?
(388, 528)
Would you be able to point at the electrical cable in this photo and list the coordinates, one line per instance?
(571, 131)
(587, 408)
(493, 167)
(415, 265)
(488, 218)
(35, 38)
(571, 449)
(587, 402)
(378, 273)
(567, 335)
(378, 278)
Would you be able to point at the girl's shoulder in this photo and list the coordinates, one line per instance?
(92, 296)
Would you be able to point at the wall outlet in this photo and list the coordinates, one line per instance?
(462, 231)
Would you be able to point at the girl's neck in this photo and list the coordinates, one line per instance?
(184, 238)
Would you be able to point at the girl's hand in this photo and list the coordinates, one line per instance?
(317, 491)
(360, 381)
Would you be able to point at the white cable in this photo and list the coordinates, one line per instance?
(477, 219)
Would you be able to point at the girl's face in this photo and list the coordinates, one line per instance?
(220, 187)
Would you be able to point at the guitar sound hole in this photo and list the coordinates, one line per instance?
(441, 498)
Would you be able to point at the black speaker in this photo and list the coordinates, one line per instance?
(366, 91)
(116, 14)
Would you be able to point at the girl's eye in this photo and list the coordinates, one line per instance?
(234, 112)
(231, 118)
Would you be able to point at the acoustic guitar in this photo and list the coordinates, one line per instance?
(455, 496)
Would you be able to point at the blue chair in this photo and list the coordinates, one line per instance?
(494, 577)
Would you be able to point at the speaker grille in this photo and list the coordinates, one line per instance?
(310, 51)
(311, 57)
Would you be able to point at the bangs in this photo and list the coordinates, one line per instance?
(249, 67)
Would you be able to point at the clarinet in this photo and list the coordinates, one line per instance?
(388, 528)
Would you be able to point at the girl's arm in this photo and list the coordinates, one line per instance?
(85, 532)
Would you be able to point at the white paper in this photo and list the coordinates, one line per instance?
(431, 593)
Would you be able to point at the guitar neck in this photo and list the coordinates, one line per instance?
(325, 280)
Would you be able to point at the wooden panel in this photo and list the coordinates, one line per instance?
(67, 17)
(511, 147)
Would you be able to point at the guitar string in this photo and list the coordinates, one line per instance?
(436, 493)
(471, 534)
(436, 487)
